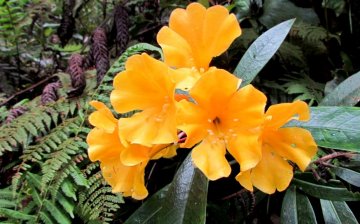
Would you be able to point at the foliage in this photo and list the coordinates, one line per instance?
(54, 180)
(46, 176)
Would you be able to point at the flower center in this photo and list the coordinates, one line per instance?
(216, 121)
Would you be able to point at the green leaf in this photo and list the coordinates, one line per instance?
(305, 211)
(346, 93)
(15, 214)
(56, 213)
(7, 204)
(326, 192)
(184, 202)
(149, 208)
(66, 204)
(348, 175)
(261, 51)
(337, 212)
(334, 127)
(276, 11)
(296, 208)
(288, 207)
(68, 189)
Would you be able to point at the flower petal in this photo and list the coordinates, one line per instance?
(209, 157)
(272, 172)
(176, 49)
(149, 127)
(295, 144)
(145, 83)
(207, 32)
(245, 110)
(185, 78)
(103, 117)
(193, 121)
(245, 147)
(103, 145)
(126, 179)
(165, 152)
(244, 178)
(214, 89)
(135, 154)
(280, 114)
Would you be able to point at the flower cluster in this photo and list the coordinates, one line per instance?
(215, 117)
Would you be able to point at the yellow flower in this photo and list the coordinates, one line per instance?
(223, 117)
(278, 146)
(194, 36)
(105, 146)
(122, 167)
(146, 85)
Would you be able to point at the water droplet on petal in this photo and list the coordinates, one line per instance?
(236, 119)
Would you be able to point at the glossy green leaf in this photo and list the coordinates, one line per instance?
(305, 212)
(348, 175)
(334, 193)
(288, 208)
(183, 202)
(151, 206)
(296, 208)
(261, 51)
(334, 127)
(337, 212)
(346, 93)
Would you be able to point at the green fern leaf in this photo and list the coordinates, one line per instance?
(56, 213)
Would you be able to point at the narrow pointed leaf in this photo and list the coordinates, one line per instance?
(296, 208)
(261, 51)
(288, 208)
(348, 175)
(305, 212)
(334, 127)
(335, 193)
(346, 93)
(184, 201)
(16, 214)
(337, 212)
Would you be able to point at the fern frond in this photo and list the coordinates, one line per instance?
(35, 123)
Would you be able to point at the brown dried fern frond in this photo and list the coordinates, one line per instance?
(100, 53)
(49, 93)
(67, 24)
(15, 112)
(76, 71)
(121, 23)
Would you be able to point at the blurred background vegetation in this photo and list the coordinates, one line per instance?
(57, 55)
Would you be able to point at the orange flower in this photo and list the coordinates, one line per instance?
(195, 35)
(222, 117)
(122, 167)
(146, 85)
(279, 145)
(105, 146)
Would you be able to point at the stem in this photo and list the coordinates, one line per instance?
(334, 155)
